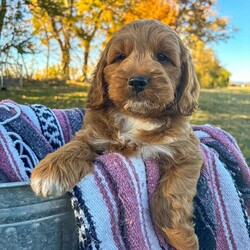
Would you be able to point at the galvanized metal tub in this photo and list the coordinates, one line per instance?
(30, 222)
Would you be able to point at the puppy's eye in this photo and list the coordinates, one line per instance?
(161, 57)
(120, 57)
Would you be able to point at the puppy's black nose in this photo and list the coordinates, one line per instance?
(138, 83)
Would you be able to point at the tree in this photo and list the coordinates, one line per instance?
(80, 23)
(209, 71)
(15, 29)
(15, 32)
(95, 18)
(165, 11)
(53, 20)
(199, 20)
(3, 11)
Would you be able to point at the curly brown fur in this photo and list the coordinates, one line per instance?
(150, 120)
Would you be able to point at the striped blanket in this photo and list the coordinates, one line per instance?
(112, 205)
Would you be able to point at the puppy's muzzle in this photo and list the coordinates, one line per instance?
(138, 83)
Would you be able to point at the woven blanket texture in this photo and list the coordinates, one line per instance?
(112, 205)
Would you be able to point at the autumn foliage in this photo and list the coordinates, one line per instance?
(76, 30)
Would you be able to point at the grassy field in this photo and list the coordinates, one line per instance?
(227, 108)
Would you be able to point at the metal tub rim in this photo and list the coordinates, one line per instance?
(14, 184)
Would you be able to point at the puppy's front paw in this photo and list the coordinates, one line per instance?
(52, 176)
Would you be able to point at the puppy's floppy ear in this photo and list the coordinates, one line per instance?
(189, 88)
(98, 89)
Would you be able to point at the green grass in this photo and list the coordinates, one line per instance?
(54, 96)
(227, 108)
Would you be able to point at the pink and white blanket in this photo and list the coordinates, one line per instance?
(112, 205)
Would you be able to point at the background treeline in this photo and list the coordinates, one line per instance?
(62, 39)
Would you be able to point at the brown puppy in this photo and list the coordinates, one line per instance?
(143, 89)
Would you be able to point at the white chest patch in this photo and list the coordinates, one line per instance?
(131, 127)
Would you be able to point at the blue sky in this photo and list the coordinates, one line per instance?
(234, 54)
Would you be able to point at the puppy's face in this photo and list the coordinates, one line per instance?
(144, 71)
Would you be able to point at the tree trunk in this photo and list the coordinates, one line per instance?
(25, 68)
(48, 52)
(87, 42)
(3, 11)
(65, 63)
(47, 62)
(65, 48)
(85, 61)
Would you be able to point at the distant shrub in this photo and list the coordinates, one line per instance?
(208, 68)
